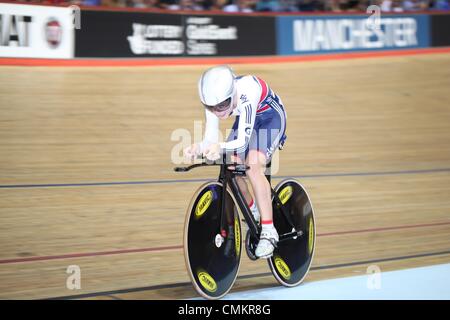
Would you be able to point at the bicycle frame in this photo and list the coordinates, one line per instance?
(227, 176)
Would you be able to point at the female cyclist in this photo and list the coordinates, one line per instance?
(258, 130)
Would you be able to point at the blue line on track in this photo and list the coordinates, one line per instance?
(169, 181)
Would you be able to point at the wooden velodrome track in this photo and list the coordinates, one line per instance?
(86, 175)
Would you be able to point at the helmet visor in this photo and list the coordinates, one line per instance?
(224, 105)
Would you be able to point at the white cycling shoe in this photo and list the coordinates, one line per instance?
(267, 243)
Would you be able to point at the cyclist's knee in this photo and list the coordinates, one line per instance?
(255, 171)
(257, 163)
(256, 160)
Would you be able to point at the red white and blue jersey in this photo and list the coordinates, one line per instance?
(255, 101)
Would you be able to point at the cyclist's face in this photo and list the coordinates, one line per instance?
(222, 110)
(224, 114)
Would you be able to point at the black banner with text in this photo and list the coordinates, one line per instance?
(145, 34)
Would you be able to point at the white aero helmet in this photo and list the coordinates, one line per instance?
(216, 88)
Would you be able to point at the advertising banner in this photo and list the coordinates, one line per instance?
(36, 31)
(321, 34)
(145, 34)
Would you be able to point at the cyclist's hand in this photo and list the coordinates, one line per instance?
(192, 151)
(212, 152)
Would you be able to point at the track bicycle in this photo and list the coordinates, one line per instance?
(212, 234)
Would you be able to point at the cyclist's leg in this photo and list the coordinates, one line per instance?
(263, 194)
(264, 141)
(257, 160)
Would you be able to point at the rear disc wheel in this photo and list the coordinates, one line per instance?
(292, 258)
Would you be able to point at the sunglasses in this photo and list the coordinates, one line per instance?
(219, 107)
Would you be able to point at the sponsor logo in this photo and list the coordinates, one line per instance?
(311, 235)
(156, 39)
(244, 98)
(237, 235)
(285, 194)
(350, 34)
(207, 281)
(203, 204)
(270, 152)
(199, 36)
(282, 268)
(53, 33)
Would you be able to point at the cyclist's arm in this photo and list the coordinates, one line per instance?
(245, 126)
(211, 130)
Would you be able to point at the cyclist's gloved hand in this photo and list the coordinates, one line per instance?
(192, 151)
(212, 152)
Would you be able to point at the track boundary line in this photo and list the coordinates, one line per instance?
(190, 61)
